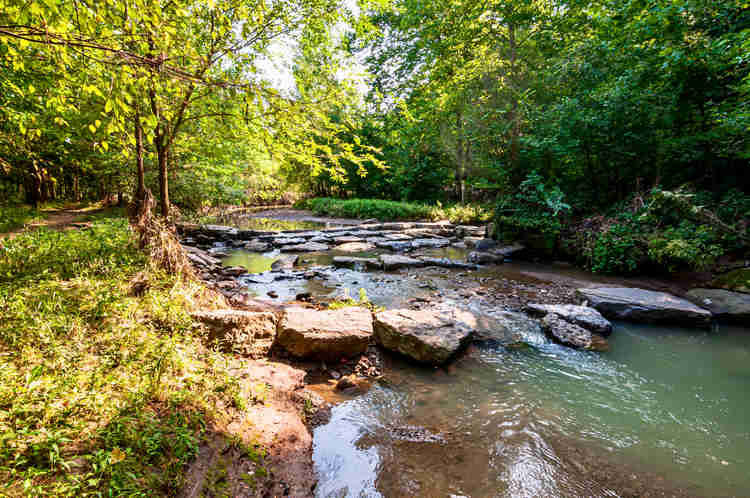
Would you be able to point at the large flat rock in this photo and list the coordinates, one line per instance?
(325, 335)
(570, 334)
(248, 333)
(427, 336)
(640, 305)
(724, 304)
(306, 247)
(354, 262)
(583, 316)
(395, 261)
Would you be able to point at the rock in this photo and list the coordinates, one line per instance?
(288, 241)
(641, 305)
(570, 334)
(427, 336)
(396, 236)
(485, 245)
(393, 245)
(354, 247)
(325, 335)
(346, 239)
(244, 332)
(285, 262)
(303, 296)
(345, 382)
(306, 247)
(472, 241)
(470, 231)
(226, 284)
(200, 257)
(235, 271)
(485, 258)
(257, 246)
(448, 263)
(272, 294)
(352, 262)
(737, 280)
(394, 261)
(421, 243)
(508, 251)
(583, 316)
(218, 231)
(724, 304)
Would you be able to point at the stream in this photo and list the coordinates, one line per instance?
(662, 413)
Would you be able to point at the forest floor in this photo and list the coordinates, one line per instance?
(59, 218)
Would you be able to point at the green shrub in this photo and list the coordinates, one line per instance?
(617, 251)
(393, 211)
(686, 246)
(16, 216)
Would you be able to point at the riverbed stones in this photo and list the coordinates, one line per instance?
(353, 262)
(328, 335)
(724, 304)
(509, 327)
(288, 241)
(583, 316)
(355, 247)
(640, 305)
(243, 332)
(395, 261)
(306, 247)
(257, 246)
(570, 334)
(427, 336)
(285, 262)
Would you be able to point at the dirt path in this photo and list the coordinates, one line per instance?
(57, 219)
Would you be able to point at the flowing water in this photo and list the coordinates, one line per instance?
(663, 413)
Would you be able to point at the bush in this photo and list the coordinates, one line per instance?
(687, 246)
(392, 210)
(617, 250)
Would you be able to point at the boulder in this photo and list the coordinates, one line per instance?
(427, 336)
(471, 242)
(234, 271)
(257, 246)
(736, 280)
(306, 247)
(394, 261)
(354, 247)
(639, 305)
(218, 231)
(434, 242)
(352, 262)
(724, 304)
(393, 245)
(448, 263)
(248, 333)
(285, 262)
(347, 238)
(288, 241)
(325, 335)
(509, 327)
(470, 231)
(583, 316)
(570, 334)
(508, 251)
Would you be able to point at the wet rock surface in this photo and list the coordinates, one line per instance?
(583, 316)
(244, 332)
(427, 336)
(325, 335)
(640, 305)
(569, 334)
(724, 304)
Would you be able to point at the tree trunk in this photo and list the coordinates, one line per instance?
(161, 153)
(141, 186)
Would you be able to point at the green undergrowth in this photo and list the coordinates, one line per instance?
(102, 393)
(385, 210)
(16, 216)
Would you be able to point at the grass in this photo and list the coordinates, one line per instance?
(102, 393)
(16, 216)
(394, 211)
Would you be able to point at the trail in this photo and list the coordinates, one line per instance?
(68, 218)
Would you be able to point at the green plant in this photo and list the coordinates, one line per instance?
(348, 301)
(617, 250)
(685, 246)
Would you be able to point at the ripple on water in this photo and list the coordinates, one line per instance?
(664, 406)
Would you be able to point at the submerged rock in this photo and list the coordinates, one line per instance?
(257, 246)
(509, 327)
(245, 332)
(570, 334)
(394, 261)
(485, 258)
(325, 335)
(427, 336)
(508, 251)
(724, 304)
(583, 316)
(639, 305)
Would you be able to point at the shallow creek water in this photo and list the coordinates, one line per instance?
(663, 413)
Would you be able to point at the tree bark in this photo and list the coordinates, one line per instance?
(162, 156)
(141, 186)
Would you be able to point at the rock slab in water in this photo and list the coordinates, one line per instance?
(583, 316)
(325, 335)
(394, 261)
(257, 246)
(509, 327)
(724, 304)
(570, 334)
(306, 247)
(640, 305)
(248, 333)
(427, 336)
(355, 247)
(353, 262)
(285, 262)
(485, 258)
